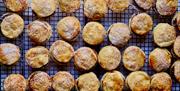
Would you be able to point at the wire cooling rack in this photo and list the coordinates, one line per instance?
(145, 43)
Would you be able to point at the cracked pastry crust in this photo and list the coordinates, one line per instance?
(176, 47)
(9, 54)
(141, 24)
(145, 4)
(61, 51)
(164, 35)
(138, 81)
(12, 26)
(37, 57)
(161, 82)
(16, 5)
(85, 58)
(166, 7)
(69, 28)
(112, 81)
(15, 82)
(175, 68)
(176, 18)
(118, 6)
(95, 9)
(63, 81)
(87, 82)
(109, 57)
(119, 34)
(39, 81)
(44, 8)
(39, 31)
(69, 6)
(133, 58)
(160, 59)
(94, 33)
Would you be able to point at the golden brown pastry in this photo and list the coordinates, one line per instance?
(175, 69)
(85, 59)
(16, 5)
(12, 25)
(69, 28)
(37, 57)
(44, 8)
(119, 34)
(166, 7)
(15, 82)
(94, 33)
(69, 6)
(164, 35)
(133, 58)
(87, 82)
(39, 81)
(9, 53)
(39, 31)
(145, 4)
(112, 81)
(109, 57)
(176, 20)
(63, 81)
(138, 81)
(141, 23)
(176, 47)
(118, 5)
(61, 51)
(160, 59)
(161, 82)
(95, 9)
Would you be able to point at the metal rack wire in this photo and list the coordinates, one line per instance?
(145, 43)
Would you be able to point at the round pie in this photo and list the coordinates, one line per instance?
(141, 23)
(61, 51)
(69, 6)
(118, 5)
(138, 81)
(16, 5)
(166, 7)
(15, 82)
(39, 81)
(164, 35)
(176, 20)
(62, 81)
(95, 9)
(69, 28)
(161, 82)
(144, 4)
(133, 58)
(37, 57)
(12, 25)
(175, 68)
(85, 58)
(109, 57)
(44, 8)
(119, 34)
(112, 81)
(9, 54)
(94, 33)
(87, 82)
(160, 59)
(176, 47)
(39, 31)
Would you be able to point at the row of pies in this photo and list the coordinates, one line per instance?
(93, 9)
(93, 33)
(111, 81)
(85, 58)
